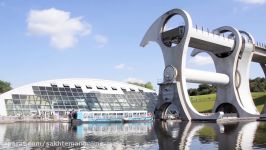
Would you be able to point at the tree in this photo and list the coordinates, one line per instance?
(147, 85)
(206, 89)
(258, 85)
(5, 86)
(192, 92)
(202, 90)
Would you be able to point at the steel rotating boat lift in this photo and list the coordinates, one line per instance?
(232, 56)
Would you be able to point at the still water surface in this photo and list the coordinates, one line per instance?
(143, 136)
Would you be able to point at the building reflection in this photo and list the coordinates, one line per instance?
(118, 135)
(174, 135)
(169, 135)
(88, 136)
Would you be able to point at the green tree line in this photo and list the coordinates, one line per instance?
(256, 85)
(147, 85)
(5, 86)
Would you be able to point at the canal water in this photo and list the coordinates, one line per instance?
(170, 135)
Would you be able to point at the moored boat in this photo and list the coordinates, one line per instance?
(111, 116)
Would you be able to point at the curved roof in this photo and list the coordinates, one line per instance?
(87, 85)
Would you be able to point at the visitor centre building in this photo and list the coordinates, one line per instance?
(64, 95)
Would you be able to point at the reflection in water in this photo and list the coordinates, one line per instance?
(88, 136)
(239, 135)
(169, 135)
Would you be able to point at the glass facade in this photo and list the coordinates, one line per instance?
(64, 99)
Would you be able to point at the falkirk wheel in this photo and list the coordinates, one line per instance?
(232, 51)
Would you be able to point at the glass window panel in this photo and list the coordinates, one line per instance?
(68, 107)
(69, 94)
(93, 105)
(22, 96)
(67, 89)
(49, 89)
(42, 88)
(58, 98)
(55, 88)
(73, 89)
(82, 107)
(67, 103)
(73, 102)
(75, 107)
(8, 101)
(60, 102)
(9, 107)
(63, 93)
(56, 93)
(64, 98)
(37, 92)
(17, 107)
(62, 89)
(92, 99)
(43, 107)
(27, 102)
(122, 100)
(79, 90)
(45, 97)
(10, 112)
(71, 98)
(25, 106)
(45, 103)
(16, 101)
(81, 103)
(61, 106)
(35, 88)
(124, 104)
(32, 107)
(43, 93)
(30, 97)
(15, 96)
(52, 98)
(38, 102)
(50, 93)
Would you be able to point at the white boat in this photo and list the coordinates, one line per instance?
(111, 116)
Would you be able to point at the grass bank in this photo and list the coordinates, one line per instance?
(204, 103)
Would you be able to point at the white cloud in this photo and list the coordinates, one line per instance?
(201, 60)
(58, 25)
(134, 80)
(253, 1)
(101, 40)
(123, 67)
(120, 66)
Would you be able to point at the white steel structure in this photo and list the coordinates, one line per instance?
(231, 50)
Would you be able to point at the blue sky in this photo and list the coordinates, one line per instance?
(49, 39)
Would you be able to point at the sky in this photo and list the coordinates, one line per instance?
(51, 39)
